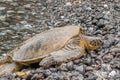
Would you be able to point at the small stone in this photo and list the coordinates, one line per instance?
(77, 2)
(47, 72)
(107, 58)
(101, 75)
(80, 69)
(55, 76)
(10, 11)
(70, 65)
(2, 18)
(105, 5)
(106, 67)
(89, 8)
(112, 73)
(53, 69)
(27, 5)
(2, 8)
(14, 4)
(79, 77)
(20, 12)
(62, 17)
(77, 61)
(101, 23)
(68, 4)
(89, 68)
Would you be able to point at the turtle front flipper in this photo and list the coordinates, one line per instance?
(8, 68)
(68, 53)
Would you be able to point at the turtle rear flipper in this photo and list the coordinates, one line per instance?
(5, 59)
(8, 68)
(66, 54)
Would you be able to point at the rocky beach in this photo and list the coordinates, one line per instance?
(22, 19)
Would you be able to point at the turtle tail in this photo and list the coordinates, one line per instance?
(5, 59)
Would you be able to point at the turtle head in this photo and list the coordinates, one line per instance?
(90, 43)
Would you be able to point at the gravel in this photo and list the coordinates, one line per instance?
(22, 19)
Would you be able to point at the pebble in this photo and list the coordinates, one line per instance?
(80, 69)
(27, 5)
(2, 18)
(2, 8)
(20, 12)
(101, 23)
(107, 58)
(112, 73)
(101, 75)
(69, 65)
(68, 4)
(76, 61)
(10, 11)
(105, 5)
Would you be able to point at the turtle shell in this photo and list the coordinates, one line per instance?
(41, 45)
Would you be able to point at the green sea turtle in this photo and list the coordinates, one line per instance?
(53, 46)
